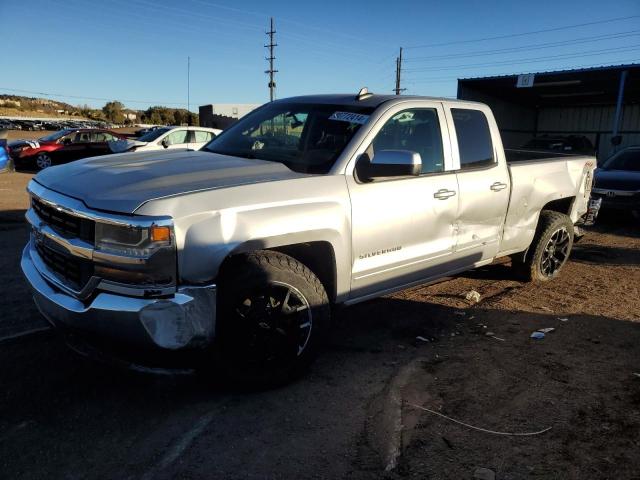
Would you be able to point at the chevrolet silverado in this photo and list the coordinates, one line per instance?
(236, 254)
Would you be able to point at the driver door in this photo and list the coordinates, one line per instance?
(403, 229)
(74, 147)
(176, 140)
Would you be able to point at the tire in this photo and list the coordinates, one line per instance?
(550, 248)
(43, 160)
(273, 314)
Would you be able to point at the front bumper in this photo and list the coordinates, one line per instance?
(617, 199)
(186, 320)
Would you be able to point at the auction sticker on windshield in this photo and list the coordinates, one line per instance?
(349, 117)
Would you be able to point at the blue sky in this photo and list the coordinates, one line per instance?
(136, 50)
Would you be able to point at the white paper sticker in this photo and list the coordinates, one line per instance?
(349, 117)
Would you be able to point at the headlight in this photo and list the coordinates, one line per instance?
(135, 255)
(131, 241)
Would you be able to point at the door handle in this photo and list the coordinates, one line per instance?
(443, 194)
(497, 186)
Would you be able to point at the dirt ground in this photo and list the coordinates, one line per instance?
(356, 414)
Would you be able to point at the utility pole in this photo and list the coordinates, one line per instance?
(189, 91)
(271, 58)
(399, 74)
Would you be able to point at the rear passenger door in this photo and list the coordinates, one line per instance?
(99, 145)
(199, 138)
(483, 181)
(402, 229)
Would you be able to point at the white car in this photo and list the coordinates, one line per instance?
(174, 138)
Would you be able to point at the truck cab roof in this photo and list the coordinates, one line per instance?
(371, 100)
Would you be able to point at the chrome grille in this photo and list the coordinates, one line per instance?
(74, 271)
(65, 223)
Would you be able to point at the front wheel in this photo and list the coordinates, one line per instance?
(272, 314)
(43, 160)
(550, 248)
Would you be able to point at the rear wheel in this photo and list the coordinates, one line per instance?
(273, 313)
(43, 160)
(550, 248)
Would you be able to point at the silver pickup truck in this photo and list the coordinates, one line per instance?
(236, 254)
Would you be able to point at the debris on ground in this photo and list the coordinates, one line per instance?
(537, 335)
(473, 296)
(479, 429)
(546, 330)
(493, 335)
(563, 319)
(460, 312)
(484, 474)
(422, 339)
(636, 374)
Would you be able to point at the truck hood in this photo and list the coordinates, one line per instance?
(123, 182)
(617, 179)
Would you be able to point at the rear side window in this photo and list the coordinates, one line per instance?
(202, 136)
(474, 138)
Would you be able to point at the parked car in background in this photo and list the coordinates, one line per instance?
(173, 138)
(6, 164)
(144, 131)
(29, 125)
(570, 144)
(617, 182)
(61, 147)
(6, 124)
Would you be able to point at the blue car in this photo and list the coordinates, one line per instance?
(6, 165)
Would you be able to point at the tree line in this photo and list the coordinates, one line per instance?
(157, 115)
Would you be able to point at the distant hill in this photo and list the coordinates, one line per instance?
(19, 106)
(36, 107)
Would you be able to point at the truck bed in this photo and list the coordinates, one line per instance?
(518, 155)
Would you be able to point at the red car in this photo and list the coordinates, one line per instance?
(62, 147)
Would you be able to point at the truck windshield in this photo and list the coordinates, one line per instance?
(307, 138)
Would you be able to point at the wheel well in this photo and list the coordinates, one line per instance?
(320, 258)
(562, 205)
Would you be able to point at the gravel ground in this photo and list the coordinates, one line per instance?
(65, 417)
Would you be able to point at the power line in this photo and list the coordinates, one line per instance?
(522, 48)
(271, 58)
(522, 34)
(530, 60)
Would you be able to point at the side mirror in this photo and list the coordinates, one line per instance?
(66, 141)
(390, 164)
(166, 143)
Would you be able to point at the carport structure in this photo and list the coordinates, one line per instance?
(601, 103)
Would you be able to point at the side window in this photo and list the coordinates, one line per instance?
(202, 137)
(474, 138)
(178, 137)
(82, 137)
(101, 137)
(417, 130)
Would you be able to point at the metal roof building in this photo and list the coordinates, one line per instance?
(601, 103)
